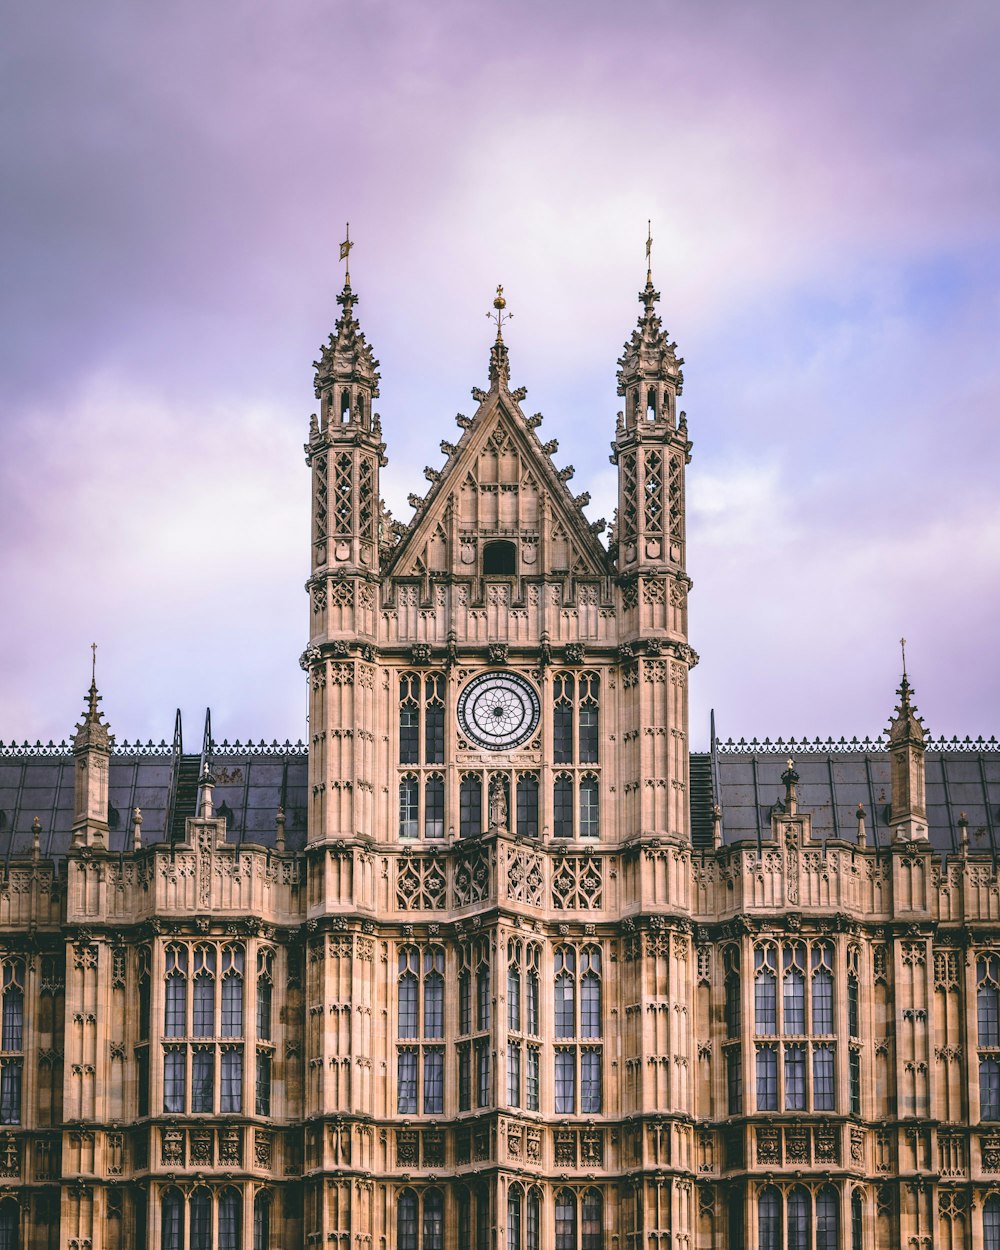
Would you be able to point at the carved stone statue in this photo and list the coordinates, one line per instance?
(498, 804)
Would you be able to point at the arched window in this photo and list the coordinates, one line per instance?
(470, 802)
(589, 727)
(230, 1218)
(989, 1088)
(144, 992)
(858, 1222)
(651, 405)
(465, 1000)
(433, 1220)
(991, 1223)
(590, 807)
(765, 992)
(175, 1004)
(562, 806)
(824, 1084)
(565, 991)
(565, 1220)
(172, 1221)
(483, 986)
(532, 996)
(262, 1221)
(232, 991)
(9, 1221)
(533, 1221)
(822, 990)
(988, 999)
(515, 1198)
(590, 992)
(345, 406)
(406, 1221)
(827, 1218)
(12, 1031)
(564, 697)
(434, 992)
(798, 1220)
(769, 1219)
(731, 964)
(434, 719)
(409, 818)
(794, 993)
(499, 559)
(409, 718)
(433, 806)
(265, 987)
(262, 1087)
(203, 1024)
(406, 993)
(527, 805)
(795, 1078)
(514, 986)
(592, 1221)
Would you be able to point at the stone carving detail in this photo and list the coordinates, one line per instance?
(565, 1148)
(262, 1148)
(827, 1145)
(433, 1145)
(797, 1145)
(768, 1145)
(524, 878)
(946, 970)
(990, 1145)
(473, 874)
(592, 1148)
(231, 1146)
(577, 883)
(172, 1147)
(420, 884)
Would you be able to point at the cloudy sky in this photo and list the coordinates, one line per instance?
(824, 184)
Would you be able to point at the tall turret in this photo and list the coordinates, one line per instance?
(651, 446)
(907, 745)
(92, 745)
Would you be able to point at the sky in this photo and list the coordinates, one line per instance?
(824, 188)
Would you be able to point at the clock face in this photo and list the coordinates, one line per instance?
(498, 710)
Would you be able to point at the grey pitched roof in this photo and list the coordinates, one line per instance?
(835, 777)
(251, 783)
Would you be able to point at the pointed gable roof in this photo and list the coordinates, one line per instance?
(499, 418)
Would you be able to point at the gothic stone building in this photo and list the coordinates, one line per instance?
(493, 962)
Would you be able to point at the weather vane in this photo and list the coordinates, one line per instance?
(93, 661)
(499, 315)
(649, 249)
(902, 645)
(345, 255)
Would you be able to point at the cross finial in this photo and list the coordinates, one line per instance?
(902, 647)
(499, 315)
(345, 254)
(649, 250)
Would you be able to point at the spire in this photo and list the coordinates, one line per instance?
(499, 362)
(650, 357)
(907, 745)
(92, 730)
(906, 726)
(347, 375)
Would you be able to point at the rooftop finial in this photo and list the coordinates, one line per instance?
(345, 254)
(498, 314)
(902, 647)
(649, 250)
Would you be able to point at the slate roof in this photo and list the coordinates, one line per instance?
(251, 783)
(253, 780)
(835, 777)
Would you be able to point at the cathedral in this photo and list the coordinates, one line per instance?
(745, 999)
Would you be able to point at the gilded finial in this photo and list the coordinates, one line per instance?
(649, 250)
(499, 315)
(345, 255)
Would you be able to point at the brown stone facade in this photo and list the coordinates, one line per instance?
(497, 998)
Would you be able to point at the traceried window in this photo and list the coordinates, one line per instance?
(9, 1221)
(798, 1075)
(527, 805)
(262, 1221)
(731, 966)
(991, 1223)
(470, 805)
(200, 1217)
(172, 1220)
(420, 1220)
(522, 1022)
(11, 1040)
(203, 1023)
(769, 1220)
(734, 1080)
(827, 1219)
(175, 1002)
(578, 1015)
(988, 1021)
(420, 1017)
(421, 742)
(576, 743)
(579, 1220)
(798, 1218)
(858, 1222)
(562, 805)
(265, 986)
(232, 991)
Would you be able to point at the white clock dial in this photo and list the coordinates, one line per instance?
(498, 710)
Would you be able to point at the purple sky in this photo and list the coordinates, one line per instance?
(824, 184)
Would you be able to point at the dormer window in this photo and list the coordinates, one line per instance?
(345, 406)
(499, 559)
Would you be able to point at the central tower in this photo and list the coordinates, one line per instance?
(498, 789)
